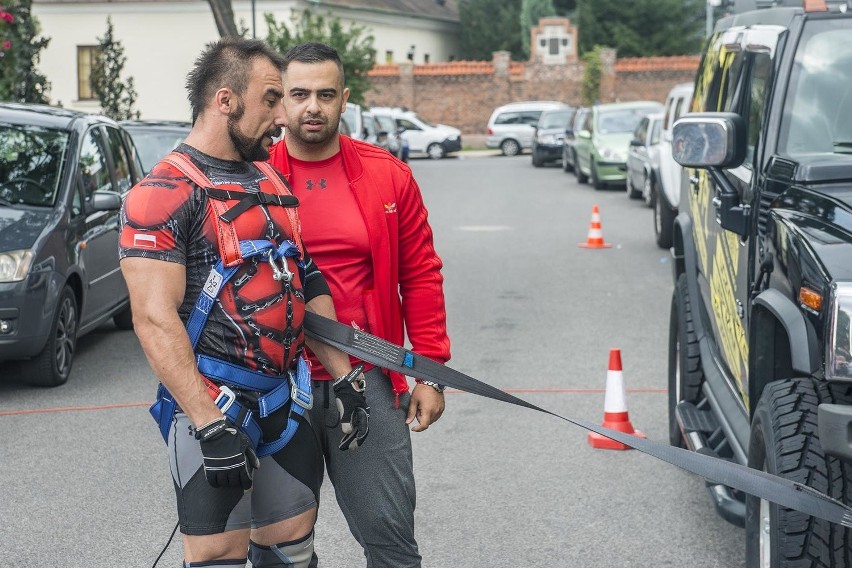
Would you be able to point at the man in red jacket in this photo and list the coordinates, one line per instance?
(364, 221)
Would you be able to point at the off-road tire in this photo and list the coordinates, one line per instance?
(685, 373)
(52, 366)
(785, 441)
(510, 147)
(567, 166)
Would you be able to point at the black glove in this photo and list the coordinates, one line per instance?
(353, 409)
(229, 457)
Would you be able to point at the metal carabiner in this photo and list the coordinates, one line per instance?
(282, 272)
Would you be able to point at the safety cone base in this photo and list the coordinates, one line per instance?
(593, 245)
(603, 443)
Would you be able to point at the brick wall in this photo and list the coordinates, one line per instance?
(464, 93)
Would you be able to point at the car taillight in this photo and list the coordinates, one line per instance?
(490, 132)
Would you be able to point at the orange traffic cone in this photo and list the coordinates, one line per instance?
(595, 238)
(615, 407)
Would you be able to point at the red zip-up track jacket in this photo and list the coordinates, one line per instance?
(407, 295)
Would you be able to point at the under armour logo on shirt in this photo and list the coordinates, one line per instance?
(309, 184)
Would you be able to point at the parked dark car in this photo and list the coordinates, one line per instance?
(643, 159)
(62, 177)
(155, 138)
(549, 134)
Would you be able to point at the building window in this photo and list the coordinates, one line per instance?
(389, 56)
(86, 56)
(425, 58)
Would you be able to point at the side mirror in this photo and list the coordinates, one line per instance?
(636, 142)
(713, 139)
(569, 132)
(105, 201)
(584, 134)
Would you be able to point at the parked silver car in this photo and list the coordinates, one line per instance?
(643, 159)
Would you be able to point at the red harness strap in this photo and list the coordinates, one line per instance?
(226, 233)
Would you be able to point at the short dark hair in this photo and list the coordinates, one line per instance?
(314, 52)
(226, 63)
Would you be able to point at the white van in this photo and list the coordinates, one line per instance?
(512, 126)
(666, 203)
(434, 140)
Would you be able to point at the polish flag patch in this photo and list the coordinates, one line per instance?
(145, 241)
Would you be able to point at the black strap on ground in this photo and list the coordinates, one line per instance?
(784, 492)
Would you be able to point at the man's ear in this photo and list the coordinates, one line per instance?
(225, 100)
(344, 98)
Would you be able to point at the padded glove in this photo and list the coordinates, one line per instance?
(229, 457)
(352, 405)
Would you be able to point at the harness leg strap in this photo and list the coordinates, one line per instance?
(216, 564)
(294, 554)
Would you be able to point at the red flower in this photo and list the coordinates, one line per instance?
(7, 16)
(7, 44)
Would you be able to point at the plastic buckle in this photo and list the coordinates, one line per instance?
(282, 272)
(300, 397)
(225, 392)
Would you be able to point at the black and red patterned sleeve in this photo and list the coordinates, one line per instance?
(156, 217)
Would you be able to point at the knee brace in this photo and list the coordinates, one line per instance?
(216, 564)
(294, 554)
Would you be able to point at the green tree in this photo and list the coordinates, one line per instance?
(590, 88)
(531, 12)
(488, 26)
(641, 28)
(117, 97)
(355, 48)
(20, 52)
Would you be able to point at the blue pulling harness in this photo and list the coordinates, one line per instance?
(275, 391)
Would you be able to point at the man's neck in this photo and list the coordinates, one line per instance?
(212, 141)
(312, 152)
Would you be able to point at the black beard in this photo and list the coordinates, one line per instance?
(250, 149)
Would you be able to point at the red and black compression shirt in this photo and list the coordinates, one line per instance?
(256, 321)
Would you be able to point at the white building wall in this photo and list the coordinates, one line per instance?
(162, 40)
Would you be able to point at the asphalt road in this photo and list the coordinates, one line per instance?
(84, 472)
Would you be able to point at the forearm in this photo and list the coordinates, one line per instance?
(335, 361)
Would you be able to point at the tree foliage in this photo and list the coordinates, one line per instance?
(117, 97)
(641, 28)
(590, 87)
(488, 26)
(355, 48)
(20, 52)
(531, 12)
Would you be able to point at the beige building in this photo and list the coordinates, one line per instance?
(162, 38)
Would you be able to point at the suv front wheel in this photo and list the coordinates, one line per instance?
(785, 442)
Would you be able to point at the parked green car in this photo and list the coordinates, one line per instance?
(601, 144)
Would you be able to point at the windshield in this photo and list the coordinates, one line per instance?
(387, 124)
(152, 145)
(622, 120)
(31, 163)
(819, 105)
(554, 119)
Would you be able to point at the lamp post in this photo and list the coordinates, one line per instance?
(253, 27)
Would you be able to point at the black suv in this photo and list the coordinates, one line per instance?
(62, 175)
(759, 357)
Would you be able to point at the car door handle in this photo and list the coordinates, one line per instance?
(693, 183)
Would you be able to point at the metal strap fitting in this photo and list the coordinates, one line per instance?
(300, 397)
(279, 272)
(229, 396)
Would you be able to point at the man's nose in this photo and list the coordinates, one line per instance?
(313, 106)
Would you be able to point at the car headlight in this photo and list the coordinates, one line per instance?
(838, 360)
(548, 139)
(611, 155)
(15, 264)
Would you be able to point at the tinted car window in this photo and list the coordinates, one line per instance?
(554, 119)
(817, 119)
(122, 163)
(655, 132)
(94, 171)
(407, 124)
(508, 118)
(32, 160)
